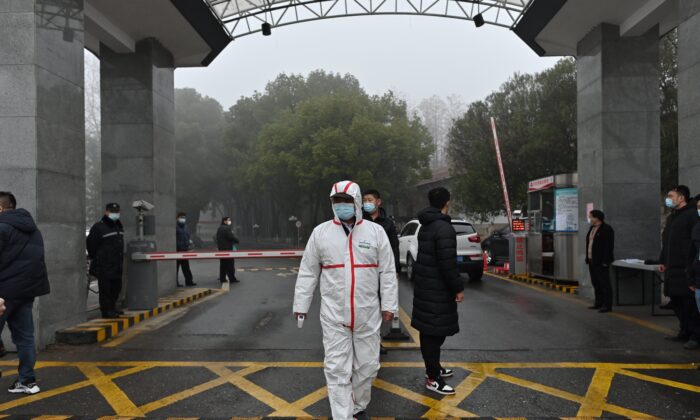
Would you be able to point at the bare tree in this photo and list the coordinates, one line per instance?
(93, 149)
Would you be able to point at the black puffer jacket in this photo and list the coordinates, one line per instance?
(225, 239)
(437, 279)
(676, 251)
(105, 246)
(22, 267)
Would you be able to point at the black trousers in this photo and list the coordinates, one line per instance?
(600, 278)
(185, 265)
(110, 287)
(686, 310)
(227, 267)
(430, 349)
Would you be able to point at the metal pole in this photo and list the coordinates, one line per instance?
(501, 172)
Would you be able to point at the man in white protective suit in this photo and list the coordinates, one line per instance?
(353, 261)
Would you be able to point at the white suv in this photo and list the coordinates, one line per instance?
(470, 258)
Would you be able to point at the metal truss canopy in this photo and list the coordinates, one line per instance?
(245, 17)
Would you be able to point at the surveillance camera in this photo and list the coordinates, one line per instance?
(142, 205)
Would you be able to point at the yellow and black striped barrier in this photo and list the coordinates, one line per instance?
(564, 288)
(101, 329)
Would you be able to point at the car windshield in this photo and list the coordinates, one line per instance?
(463, 228)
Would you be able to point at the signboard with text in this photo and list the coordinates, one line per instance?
(540, 184)
(566, 209)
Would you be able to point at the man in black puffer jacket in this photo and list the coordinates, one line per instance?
(105, 247)
(676, 255)
(438, 287)
(23, 277)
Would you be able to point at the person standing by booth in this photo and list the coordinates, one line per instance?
(184, 244)
(676, 256)
(105, 247)
(225, 241)
(600, 244)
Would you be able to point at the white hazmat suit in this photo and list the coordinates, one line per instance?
(354, 271)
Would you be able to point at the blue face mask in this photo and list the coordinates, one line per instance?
(669, 203)
(369, 207)
(344, 211)
(114, 216)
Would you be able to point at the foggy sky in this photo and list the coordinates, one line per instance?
(414, 56)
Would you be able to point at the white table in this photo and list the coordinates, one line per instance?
(656, 280)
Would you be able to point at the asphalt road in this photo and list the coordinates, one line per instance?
(522, 352)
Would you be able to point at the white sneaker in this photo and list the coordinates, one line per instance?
(439, 386)
(20, 388)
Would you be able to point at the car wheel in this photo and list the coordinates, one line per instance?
(475, 276)
(409, 268)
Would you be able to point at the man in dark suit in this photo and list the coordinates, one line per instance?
(600, 243)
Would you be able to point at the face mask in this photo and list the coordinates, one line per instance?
(344, 211)
(114, 216)
(369, 207)
(181, 221)
(669, 203)
(228, 223)
(589, 220)
(698, 212)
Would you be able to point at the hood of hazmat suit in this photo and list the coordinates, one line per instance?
(355, 269)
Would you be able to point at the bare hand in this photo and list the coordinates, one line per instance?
(692, 288)
(296, 315)
(387, 316)
(459, 297)
(662, 268)
(2, 306)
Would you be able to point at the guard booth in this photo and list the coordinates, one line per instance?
(553, 225)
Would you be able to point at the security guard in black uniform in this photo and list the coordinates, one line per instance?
(105, 246)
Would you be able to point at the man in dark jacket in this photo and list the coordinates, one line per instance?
(372, 210)
(225, 241)
(600, 243)
(105, 247)
(23, 277)
(183, 244)
(676, 256)
(437, 288)
(694, 276)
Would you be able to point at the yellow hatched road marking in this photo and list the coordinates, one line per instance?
(594, 403)
(260, 393)
(435, 405)
(179, 396)
(116, 398)
(597, 394)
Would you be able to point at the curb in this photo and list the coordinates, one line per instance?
(568, 289)
(101, 329)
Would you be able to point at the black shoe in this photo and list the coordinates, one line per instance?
(595, 307)
(191, 284)
(444, 373)
(666, 306)
(383, 350)
(604, 310)
(119, 311)
(235, 280)
(3, 352)
(362, 415)
(110, 315)
(680, 338)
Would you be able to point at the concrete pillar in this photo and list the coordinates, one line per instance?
(619, 139)
(138, 140)
(689, 94)
(42, 142)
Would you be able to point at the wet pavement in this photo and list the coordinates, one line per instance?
(523, 352)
